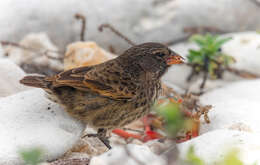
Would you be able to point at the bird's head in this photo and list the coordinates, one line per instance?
(152, 57)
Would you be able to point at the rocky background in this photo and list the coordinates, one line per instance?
(30, 120)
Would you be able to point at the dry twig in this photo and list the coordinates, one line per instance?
(190, 103)
(83, 25)
(102, 26)
(194, 30)
(202, 29)
(256, 2)
(242, 73)
(45, 52)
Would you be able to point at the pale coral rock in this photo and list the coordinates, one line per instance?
(235, 106)
(130, 154)
(41, 44)
(10, 76)
(85, 54)
(159, 146)
(30, 120)
(214, 145)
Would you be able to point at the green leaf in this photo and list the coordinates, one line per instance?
(220, 42)
(194, 56)
(198, 39)
(194, 52)
(31, 156)
(210, 39)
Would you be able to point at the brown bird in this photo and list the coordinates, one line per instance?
(112, 94)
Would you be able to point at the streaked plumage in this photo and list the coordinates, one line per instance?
(114, 93)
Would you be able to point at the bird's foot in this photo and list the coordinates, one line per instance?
(101, 135)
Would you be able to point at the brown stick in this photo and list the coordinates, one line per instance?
(45, 52)
(176, 41)
(205, 77)
(242, 73)
(202, 29)
(102, 26)
(83, 25)
(257, 3)
(194, 30)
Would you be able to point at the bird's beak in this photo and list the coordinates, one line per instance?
(175, 59)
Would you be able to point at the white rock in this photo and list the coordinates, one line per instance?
(235, 106)
(209, 85)
(40, 42)
(214, 145)
(154, 20)
(10, 76)
(158, 147)
(130, 154)
(31, 120)
(244, 47)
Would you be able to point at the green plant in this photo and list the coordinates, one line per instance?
(174, 119)
(230, 158)
(31, 156)
(208, 59)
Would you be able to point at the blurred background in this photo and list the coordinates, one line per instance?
(140, 20)
(218, 86)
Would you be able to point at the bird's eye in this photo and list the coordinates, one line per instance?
(160, 54)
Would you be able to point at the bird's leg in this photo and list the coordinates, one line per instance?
(101, 135)
(146, 135)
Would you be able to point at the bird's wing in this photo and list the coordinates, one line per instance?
(93, 79)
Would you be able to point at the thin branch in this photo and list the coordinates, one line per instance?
(83, 25)
(202, 29)
(191, 102)
(239, 72)
(45, 52)
(205, 77)
(102, 26)
(194, 30)
(173, 42)
(242, 73)
(256, 2)
(206, 71)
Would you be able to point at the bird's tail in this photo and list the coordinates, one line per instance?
(35, 81)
